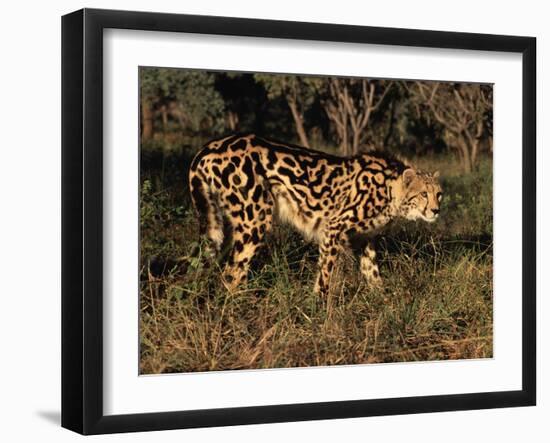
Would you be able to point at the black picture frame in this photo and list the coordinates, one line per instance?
(82, 218)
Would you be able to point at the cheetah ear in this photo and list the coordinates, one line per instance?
(436, 174)
(408, 175)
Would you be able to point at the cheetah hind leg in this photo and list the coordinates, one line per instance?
(248, 239)
(242, 253)
(214, 231)
(209, 217)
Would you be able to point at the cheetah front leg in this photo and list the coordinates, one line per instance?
(369, 268)
(329, 250)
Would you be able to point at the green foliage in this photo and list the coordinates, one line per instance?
(160, 218)
(299, 92)
(186, 104)
(301, 89)
(468, 200)
(193, 94)
(246, 100)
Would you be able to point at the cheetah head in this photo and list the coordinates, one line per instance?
(420, 195)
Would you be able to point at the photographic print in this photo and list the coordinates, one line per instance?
(299, 221)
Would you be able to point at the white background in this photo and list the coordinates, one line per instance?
(30, 223)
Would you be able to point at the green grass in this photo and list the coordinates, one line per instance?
(436, 302)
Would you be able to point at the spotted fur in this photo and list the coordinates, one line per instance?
(247, 181)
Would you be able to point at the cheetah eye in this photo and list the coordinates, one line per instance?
(424, 194)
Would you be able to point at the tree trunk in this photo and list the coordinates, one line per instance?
(164, 114)
(232, 120)
(474, 141)
(355, 143)
(475, 150)
(389, 130)
(146, 120)
(466, 157)
(299, 123)
(344, 145)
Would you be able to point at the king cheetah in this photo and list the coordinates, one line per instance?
(248, 181)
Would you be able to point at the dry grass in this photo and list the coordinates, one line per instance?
(436, 302)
